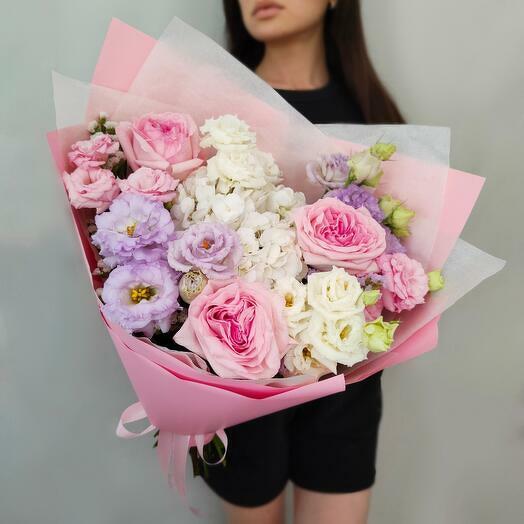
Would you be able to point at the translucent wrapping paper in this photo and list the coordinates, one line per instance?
(184, 71)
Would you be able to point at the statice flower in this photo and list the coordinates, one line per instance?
(141, 297)
(135, 227)
(357, 196)
(214, 248)
(393, 243)
(330, 171)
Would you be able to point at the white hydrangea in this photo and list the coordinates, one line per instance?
(227, 133)
(283, 200)
(239, 187)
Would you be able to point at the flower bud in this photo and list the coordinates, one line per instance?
(365, 168)
(383, 151)
(370, 298)
(435, 280)
(191, 284)
(378, 335)
(397, 216)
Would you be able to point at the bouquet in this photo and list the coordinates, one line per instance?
(244, 260)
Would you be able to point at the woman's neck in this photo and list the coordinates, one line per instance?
(296, 63)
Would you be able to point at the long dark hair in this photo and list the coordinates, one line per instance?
(347, 57)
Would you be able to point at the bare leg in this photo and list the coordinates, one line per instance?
(270, 513)
(312, 507)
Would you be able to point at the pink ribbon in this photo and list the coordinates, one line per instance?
(177, 445)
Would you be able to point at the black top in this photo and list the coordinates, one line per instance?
(327, 105)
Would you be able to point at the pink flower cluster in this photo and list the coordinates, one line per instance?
(159, 149)
(332, 233)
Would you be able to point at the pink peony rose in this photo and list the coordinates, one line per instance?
(91, 188)
(330, 232)
(93, 152)
(238, 327)
(153, 183)
(405, 282)
(167, 141)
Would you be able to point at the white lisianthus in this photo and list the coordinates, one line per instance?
(298, 361)
(227, 208)
(293, 295)
(365, 168)
(334, 293)
(227, 133)
(336, 341)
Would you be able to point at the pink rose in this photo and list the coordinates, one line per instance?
(167, 141)
(93, 152)
(153, 183)
(91, 188)
(238, 327)
(405, 282)
(330, 232)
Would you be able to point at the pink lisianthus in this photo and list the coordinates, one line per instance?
(91, 188)
(374, 311)
(405, 282)
(238, 327)
(330, 232)
(167, 141)
(93, 152)
(154, 183)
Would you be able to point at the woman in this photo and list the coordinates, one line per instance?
(314, 54)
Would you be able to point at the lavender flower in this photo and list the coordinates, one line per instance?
(330, 171)
(393, 244)
(141, 297)
(213, 248)
(135, 227)
(357, 196)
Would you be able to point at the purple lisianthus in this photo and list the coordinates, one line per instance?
(213, 248)
(141, 297)
(357, 196)
(393, 243)
(330, 171)
(135, 227)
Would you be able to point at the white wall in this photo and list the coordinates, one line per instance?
(452, 437)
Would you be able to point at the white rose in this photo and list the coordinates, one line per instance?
(334, 293)
(365, 167)
(227, 133)
(298, 361)
(227, 208)
(293, 295)
(336, 341)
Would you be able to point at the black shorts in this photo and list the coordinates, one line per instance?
(327, 445)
